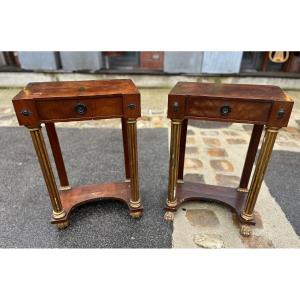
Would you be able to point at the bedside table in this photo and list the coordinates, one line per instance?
(51, 102)
(264, 106)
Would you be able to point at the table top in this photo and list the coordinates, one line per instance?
(230, 91)
(77, 89)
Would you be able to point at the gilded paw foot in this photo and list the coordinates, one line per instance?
(136, 214)
(62, 225)
(169, 216)
(246, 230)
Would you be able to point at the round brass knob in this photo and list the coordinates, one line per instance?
(25, 113)
(81, 108)
(175, 106)
(131, 106)
(225, 110)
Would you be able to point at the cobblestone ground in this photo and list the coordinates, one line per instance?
(215, 154)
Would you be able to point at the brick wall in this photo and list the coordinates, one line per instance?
(152, 60)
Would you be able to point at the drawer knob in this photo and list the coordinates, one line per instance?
(80, 108)
(225, 110)
(131, 106)
(25, 113)
(280, 113)
(175, 106)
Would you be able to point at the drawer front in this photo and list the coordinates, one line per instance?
(231, 110)
(63, 110)
(77, 109)
(108, 107)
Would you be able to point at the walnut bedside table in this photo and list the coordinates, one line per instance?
(264, 106)
(51, 102)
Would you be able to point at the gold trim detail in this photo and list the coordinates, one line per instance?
(176, 121)
(35, 129)
(135, 204)
(131, 121)
(65, 188)
(261, 166)
(272, 129)
(243, 190)
(245, 230)
(169, 216)
(172, 204)
(247, 217)
(59, 214)
(135, 201)
(174, 161)
(41, 151)
(135, 214)
(62, 225)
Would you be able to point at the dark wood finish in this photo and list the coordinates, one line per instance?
(56, 151)
(50, 102)
(95, 109)
(78, 89)
(57, 101)
(182, 148)
(243, 112)
(261, 105)
(255, 104)
(125, 148)
(119, 191)
(191, 191)
(251, 154)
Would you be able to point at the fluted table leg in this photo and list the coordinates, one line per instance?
(258, 176)
(41, 151)
(135, 201)
(173, 168)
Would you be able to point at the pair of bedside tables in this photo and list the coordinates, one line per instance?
(50, 102)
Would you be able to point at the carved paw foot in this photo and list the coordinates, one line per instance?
(246, 230)
(62, 225)
(136, 214)
(169, 216)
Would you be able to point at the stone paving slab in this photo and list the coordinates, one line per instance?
(213, 225)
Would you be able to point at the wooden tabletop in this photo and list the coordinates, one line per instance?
(77, 89)
(232, 91)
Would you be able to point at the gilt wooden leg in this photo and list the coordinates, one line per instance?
(125, 147)
(58, 159)
(261, 166)
(173, 168)
(250, 158)
(135, 201)
(41, 151)
(182, 150)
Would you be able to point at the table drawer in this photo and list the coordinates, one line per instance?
(108, 107)
(61, 110)
(231, 110)
(76, 109)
